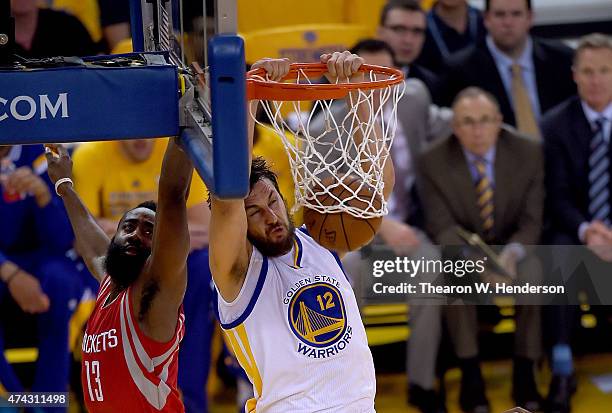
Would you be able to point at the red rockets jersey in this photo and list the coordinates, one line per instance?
(122, 369)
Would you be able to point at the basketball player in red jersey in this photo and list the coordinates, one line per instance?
(131, 342)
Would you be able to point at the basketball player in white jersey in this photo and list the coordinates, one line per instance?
(284, 301)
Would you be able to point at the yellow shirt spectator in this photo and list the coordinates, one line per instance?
(110, 183)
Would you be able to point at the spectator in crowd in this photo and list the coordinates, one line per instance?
(46, 32)
(129, 176)
(452, 25)
(470, 181)
(527, 75)
(34, 270)
(577, 147)
(419, 124)
(115, 21)
(402, 26)
(87, 11)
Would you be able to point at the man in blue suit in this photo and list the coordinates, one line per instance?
(577, 147)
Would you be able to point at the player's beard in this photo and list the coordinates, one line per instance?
(275, 249)
(124, 269)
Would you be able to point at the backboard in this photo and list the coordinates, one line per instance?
(182, 27)
(200, 38)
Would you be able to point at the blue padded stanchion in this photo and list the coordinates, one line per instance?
(229, 117)
(85, 103)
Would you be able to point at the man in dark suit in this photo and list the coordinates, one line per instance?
(527, 75)
(578, 186)
(452, 25)
(470, 181)
(402, 26)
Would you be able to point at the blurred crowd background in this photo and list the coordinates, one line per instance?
(504, 131)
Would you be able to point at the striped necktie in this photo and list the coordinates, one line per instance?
(599, 176)
(523, 110)
(484, 195)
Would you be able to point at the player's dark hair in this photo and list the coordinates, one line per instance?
(407, 5)
(152, 205)
(260, 170)
(488, 5)
(372, 46)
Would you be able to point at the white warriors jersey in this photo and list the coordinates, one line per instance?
(296, 330)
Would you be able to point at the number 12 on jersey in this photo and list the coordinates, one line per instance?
(93, 378)
(329, 301)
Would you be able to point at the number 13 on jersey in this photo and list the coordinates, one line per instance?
(94, 385)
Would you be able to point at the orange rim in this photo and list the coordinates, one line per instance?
(258, 88)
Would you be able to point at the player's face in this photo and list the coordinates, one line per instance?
(508, 23)
(476, 123)
(404, 31)
(138, 150)
(593, 76)
(270, 229)
(130, 247)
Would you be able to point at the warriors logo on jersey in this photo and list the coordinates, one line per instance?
(317, 316)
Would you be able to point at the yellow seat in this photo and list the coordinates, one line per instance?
(302, 43)
(255, 15)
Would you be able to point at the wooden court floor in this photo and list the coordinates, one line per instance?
(391, 392)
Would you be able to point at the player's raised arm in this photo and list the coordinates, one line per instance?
(91, 240)
(161, 289)
(229, 247)
(343, 67)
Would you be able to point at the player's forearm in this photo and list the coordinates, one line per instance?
(91, 240)
(176, 174)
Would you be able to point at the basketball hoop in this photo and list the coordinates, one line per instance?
(322, 161)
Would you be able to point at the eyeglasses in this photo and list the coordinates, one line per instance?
(401, 30)
(471, 123)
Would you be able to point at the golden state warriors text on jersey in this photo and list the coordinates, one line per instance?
(295, 329)
(317, 316)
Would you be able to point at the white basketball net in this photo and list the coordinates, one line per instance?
(329, 151)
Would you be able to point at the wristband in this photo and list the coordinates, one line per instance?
(61, 181)
(12, 275)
